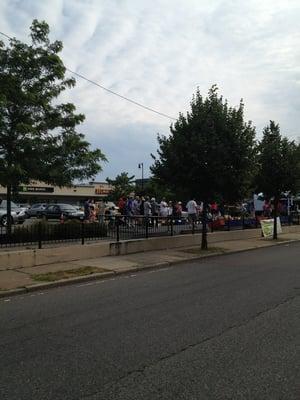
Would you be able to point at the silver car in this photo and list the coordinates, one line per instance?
(15, 211)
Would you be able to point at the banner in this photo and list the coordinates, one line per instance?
(267, 226)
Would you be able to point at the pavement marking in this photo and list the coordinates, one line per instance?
(133, 275)
(6, 300)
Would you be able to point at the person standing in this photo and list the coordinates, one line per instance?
(192, 210)
(163, 208)
(87, 209)
(178, 211)
(154, 211)
(147, 207)
(136, 206)
(121, 205)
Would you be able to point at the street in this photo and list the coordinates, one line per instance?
(226, 327)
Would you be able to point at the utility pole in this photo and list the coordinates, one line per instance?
(141, 166)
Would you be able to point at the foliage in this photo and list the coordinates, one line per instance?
(278, 163)
(154, 188)
(210, 152)
(38, 137)
(278, 166)
(123, 185)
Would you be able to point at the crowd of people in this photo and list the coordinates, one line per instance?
(139, 206)
(144, 206)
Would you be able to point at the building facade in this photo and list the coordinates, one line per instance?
(39, 192)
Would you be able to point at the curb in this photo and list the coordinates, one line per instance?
(109, 274)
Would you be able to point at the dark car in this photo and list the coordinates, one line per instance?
(57, 211)
(35, 209)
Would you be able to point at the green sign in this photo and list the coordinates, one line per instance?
(36, 189)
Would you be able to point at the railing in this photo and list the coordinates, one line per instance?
(116, 228)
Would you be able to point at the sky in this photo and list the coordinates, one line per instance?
(157, 53)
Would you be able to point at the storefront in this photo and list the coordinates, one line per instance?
(38, 192)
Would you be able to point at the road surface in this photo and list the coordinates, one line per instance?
(221, 328)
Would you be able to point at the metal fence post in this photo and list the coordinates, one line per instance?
(172, 230)
(147, 227)
(228, 224)
(40, 235)
(118, 229)
(243, 221)
(82, 232)
(193, 227)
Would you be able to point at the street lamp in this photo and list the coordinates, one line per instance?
(141, 166)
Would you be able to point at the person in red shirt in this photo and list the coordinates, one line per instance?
(121, 205)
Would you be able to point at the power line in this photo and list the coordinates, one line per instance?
(111, 91)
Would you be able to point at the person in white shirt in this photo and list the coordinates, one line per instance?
(163, 208)
(192, 210)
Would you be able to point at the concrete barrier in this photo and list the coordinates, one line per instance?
(31, 258)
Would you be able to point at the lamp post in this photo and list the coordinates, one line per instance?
(141, 166)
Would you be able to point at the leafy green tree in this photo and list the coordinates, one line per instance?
(209, 154)
(152, 188)
(278, 163)
(38, 137)
(123, 185)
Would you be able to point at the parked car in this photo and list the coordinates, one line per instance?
(35, 209)
(56, 211)
(17, 214)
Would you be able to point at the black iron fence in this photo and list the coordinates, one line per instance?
(116, 228)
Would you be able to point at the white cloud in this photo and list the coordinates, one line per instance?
(158, 52)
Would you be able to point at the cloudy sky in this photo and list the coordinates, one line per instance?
(157, 52)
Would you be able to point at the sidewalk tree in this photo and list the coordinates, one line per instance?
(278, 167)
(38, 137)
(154, 189)
(209, 154)
(123, 185)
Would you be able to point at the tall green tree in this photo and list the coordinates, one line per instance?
(123, 185)
(152, 188)
(278, 166)
(38, 137)
(209, 154)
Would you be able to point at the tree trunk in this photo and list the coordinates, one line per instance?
(275, 218)
(8, 208)
(204, 227)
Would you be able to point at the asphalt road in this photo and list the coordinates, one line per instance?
(223, 328)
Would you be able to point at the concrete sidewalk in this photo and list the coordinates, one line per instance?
(22, 280)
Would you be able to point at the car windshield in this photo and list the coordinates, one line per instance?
(3, 204)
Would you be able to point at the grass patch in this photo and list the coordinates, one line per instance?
(71, 273)
(197, 250)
